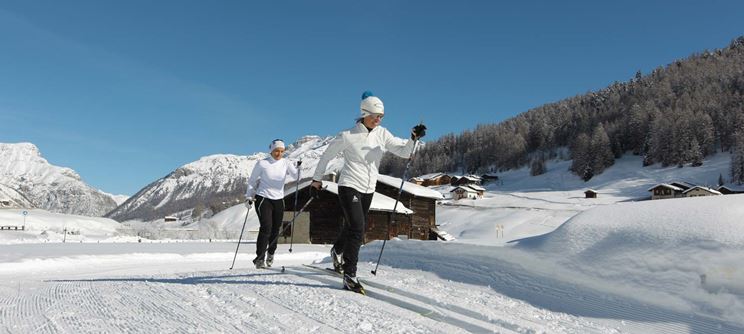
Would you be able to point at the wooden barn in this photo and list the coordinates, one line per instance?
(325, 216)
(421, 200)
(664, 190)
(465, 180)
(590, 193)
(699, 191)
(434, 179)
(465, 192)
(728, 189)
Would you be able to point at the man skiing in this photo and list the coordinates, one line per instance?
(362, 147)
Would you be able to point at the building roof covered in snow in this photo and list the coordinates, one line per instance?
(712, 191)
(731, 188)
(411, 188)
(430, 176)
(465, 188)
(380, 202)
(665, 185)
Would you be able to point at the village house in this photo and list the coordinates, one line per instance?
(664, 190)
(324, 218)
(465, 180)
(421, 200)
(681, 189)
(698, 191)
(467, 192)
(435, 179)
(729, 189)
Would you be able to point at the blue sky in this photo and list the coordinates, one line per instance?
(124, 92)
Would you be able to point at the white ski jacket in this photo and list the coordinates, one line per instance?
(362, 151)
(268, 177)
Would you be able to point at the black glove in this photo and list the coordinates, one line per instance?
(418, 131)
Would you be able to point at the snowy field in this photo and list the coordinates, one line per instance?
(533, 256)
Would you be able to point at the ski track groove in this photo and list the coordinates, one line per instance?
(586, 328)
(441, 319)
(454, 308)
(381, 316)
(271, 299)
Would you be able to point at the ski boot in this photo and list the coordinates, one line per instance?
(269, 260)
(351, 283)
(259, 263)
(338, 260)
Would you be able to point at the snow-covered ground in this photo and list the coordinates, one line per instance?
(533, 256)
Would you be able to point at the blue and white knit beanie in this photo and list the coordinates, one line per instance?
(371, 105)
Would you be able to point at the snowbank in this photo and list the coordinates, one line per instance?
(683, 252)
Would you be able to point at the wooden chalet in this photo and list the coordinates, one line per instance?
(467, 192)
(590, 193)
(664, 190)
(423, 202)
(465, 180)
(434, 179)
(325, 217)
(729, 189)
(699, 191)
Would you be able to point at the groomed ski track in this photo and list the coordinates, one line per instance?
(243, 301)
(419, 293)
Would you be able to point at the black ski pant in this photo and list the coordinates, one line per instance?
(355, 205)
(270, 213)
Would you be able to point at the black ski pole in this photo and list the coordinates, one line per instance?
(297, 193)
(240, 238)
(390, 216)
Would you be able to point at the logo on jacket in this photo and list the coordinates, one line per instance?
(355, 199)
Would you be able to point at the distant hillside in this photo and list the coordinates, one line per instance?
(28, 180)
(675, 115)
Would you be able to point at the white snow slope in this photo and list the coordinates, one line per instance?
(611, 266)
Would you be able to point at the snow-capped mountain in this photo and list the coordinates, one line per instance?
(210, 184)
(29, 180)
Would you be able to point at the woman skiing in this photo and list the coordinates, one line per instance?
(362, 147)
(266, 189)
